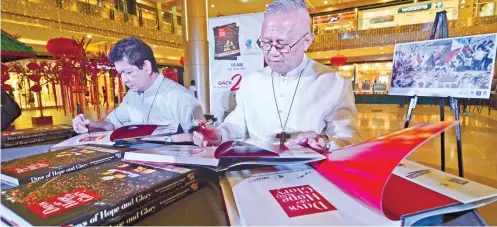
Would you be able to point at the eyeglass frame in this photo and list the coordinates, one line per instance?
(260, 43)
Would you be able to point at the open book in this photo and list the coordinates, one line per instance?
(365, 184)
(229, 154)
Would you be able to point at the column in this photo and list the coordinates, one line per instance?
(159, 16)
(174, 23)
(194, 21)
(466, 12)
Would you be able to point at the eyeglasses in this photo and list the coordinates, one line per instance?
(282, 48)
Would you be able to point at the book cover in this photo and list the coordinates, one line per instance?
(102, 138)
(55, 163)
(38, 139)
(35, 132)
(90, 196)
(135, 216)
(370, 180)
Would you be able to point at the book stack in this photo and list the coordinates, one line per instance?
(52, 164)
(114, 193)
(35, 135)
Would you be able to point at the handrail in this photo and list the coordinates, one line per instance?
(399, 34)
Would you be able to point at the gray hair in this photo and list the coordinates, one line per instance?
(283, 6)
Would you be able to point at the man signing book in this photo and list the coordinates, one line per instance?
(294, 97)
(151, 99)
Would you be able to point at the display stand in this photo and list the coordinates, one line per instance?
(440, 24)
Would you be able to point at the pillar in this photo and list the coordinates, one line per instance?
(196, 55)
(159, 16)
(174, 23)
(466, 12)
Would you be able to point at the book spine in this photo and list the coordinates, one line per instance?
(34, 140)
(68, 169)
(134, 216)
(132, 202)
(33, 135)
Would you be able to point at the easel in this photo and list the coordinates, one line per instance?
(440, 24)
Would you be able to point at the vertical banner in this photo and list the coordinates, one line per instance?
(233, 54)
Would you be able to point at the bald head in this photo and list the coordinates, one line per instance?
(286, 23)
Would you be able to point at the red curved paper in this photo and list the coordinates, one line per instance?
(363, 170)
(132, 131)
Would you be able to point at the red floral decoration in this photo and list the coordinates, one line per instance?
(338, 60)
(63, 47)
(6, 87)
(35, 88)
(35, 77)
(33, 66)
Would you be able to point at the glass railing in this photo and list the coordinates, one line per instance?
(340, 39)
(90, 18)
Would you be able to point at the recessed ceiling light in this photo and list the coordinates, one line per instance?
(89, 36)
(212, 5)
(326, 2)
(267, 5)
(162, 12)
(154, 46)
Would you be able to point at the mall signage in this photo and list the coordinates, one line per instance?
(415, 8)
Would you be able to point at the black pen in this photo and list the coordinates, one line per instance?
(80, 112)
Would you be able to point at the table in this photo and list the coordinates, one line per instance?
(205, 207)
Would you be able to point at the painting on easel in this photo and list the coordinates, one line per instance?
(460, 67)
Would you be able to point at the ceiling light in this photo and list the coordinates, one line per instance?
(267, 5)
(326, 2)
(89, 36)
(212, 6)
(161, 60)
(162, 12)
(154, 46)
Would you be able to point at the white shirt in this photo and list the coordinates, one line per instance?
(192, 89)
(173, 105)
(324, 103)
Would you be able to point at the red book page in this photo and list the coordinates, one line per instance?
(403, 197)
(363, 169)
(132, 131)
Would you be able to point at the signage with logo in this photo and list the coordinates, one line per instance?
(382, 19)
(226, 72)
(334, 18)
(415, 8)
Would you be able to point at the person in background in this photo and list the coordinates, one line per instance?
(151, 99)
(193, 89)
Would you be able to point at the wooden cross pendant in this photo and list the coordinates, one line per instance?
(282, 136)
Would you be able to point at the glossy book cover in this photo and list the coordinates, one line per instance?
(35, 132)
(55, 163)
(90, 196)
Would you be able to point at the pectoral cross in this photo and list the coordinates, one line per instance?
(282, 136)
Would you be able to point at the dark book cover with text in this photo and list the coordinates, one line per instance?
(54, 163)
(90, 196)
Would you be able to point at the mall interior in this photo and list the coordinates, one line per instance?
(357, 38)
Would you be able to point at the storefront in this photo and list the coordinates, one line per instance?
(345, 21)
(406, 14)
(486, 8)
(368, 78)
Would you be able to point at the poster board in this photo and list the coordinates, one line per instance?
(460, 67)
(233, 54)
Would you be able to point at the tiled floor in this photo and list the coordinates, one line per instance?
(479, 138)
